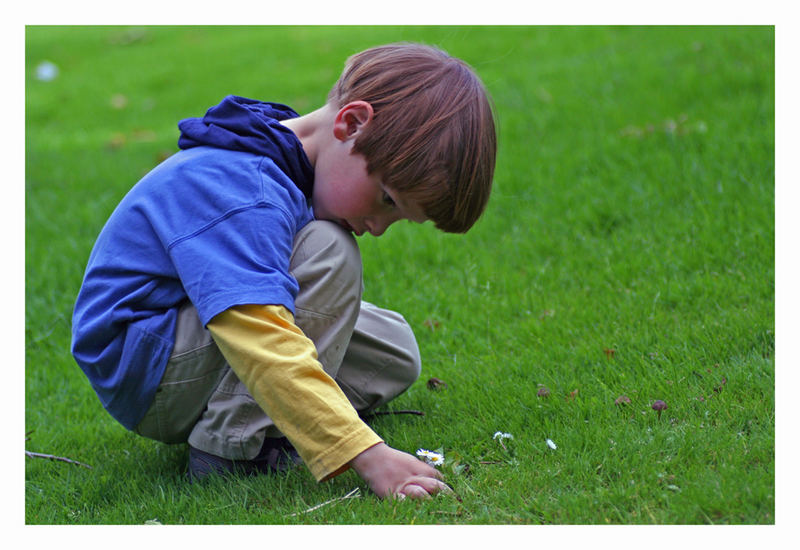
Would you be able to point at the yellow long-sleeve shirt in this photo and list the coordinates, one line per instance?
(278, 365)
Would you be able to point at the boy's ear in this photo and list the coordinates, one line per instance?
(351, 119)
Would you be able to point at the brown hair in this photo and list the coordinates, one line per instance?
(432, 135)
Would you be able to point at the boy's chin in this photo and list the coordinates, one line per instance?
(349, 227)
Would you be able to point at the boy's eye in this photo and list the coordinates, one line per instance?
(387, 200)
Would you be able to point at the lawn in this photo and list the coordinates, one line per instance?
(628, 250)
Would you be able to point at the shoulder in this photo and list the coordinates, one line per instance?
(201, 187)
(223, 179)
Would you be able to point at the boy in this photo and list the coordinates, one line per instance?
(221, 304)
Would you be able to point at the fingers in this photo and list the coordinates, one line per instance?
(436, 473)
(423, 487)
(414, 491)
(429, 471)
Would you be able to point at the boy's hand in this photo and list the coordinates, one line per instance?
(390, 472)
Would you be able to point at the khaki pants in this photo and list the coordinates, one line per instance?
(370, 352)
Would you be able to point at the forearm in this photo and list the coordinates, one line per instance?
(278, 364)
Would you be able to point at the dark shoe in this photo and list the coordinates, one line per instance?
(276, 456)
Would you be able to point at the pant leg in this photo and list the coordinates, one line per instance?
(193, 372)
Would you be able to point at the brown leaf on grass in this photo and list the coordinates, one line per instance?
(118, 101)
(543, 392)
(117, 141)
(609, 353)
(622, 400)
(571, 395)
(142, 135)
(432, 324)
(161, 156)
(436, 384)
(716, 389)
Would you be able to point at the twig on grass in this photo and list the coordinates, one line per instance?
(447, 513)
(56, 458)
(383, 413)
(355, 493)
(418, 413)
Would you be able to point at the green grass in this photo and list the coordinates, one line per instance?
(633, 211)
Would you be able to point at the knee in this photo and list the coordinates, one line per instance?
(326, 263)
(382, 360)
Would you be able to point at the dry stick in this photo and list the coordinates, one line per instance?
(351, 494)
(57, 458)
(418, 413)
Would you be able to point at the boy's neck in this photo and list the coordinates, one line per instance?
(313, 129)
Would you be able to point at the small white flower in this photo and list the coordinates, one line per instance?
(46, 71)
(502, 436)
(431, 457)
(551, 444)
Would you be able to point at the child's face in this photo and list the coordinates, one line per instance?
(346, 194)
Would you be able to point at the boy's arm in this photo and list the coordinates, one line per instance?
(279, 366)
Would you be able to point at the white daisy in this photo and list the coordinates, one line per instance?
(431, 457)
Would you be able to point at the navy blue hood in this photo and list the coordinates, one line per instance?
(242, 124)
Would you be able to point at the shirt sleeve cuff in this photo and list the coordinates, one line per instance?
(336, 459)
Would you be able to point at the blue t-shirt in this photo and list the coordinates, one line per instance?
(211, 225)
